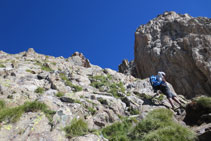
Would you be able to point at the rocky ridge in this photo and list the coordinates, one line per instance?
(72, 88)
(180, 45)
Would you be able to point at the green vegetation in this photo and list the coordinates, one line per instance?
(30, 71)
(2, 66)
(115, 88)
(2, 104)
(105, 83)
(93, 104)
(77, 101)
(145, 96)
(44, 66)
(53, 63)
(14, 114)
(91, 110)
(39, 90)
(134, 111)
(60, 94)
(38, 63)
(76, 88)
(204, 102)
(160, 98)
(63, 76)
(69, 83)
(77, 127)
(99, 80)
(171, 133)
(10, 96)
(102, 101)
(196, 109)
(159, 126)
(118, 131)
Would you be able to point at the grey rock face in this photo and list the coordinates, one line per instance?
(71, 90)
(128, 68)
(179, 45)
(79, 59)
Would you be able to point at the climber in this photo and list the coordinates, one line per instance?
(158, 82)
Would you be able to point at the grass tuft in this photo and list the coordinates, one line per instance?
(204, 102)
(60, 94)
(14, 114)
(159, 126)
(91, 110)
(118, 131)
(76, 88)
(39, 90)
(77, 127)
(2, 104)
(30, 71)
(44, 66)
(134, 111)
(105, 83)
(2, 66)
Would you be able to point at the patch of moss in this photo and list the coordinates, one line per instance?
(77, 127)
(39, 90)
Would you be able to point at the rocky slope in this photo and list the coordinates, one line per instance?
(180, 45)
(71, 88)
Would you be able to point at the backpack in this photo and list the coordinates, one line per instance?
(155, 81)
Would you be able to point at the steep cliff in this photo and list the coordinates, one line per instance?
(180, 45)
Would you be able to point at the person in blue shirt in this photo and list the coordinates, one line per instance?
(163, 87)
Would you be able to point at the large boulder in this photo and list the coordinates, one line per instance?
(180, 45)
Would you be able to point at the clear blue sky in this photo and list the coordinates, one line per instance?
(103, 30)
